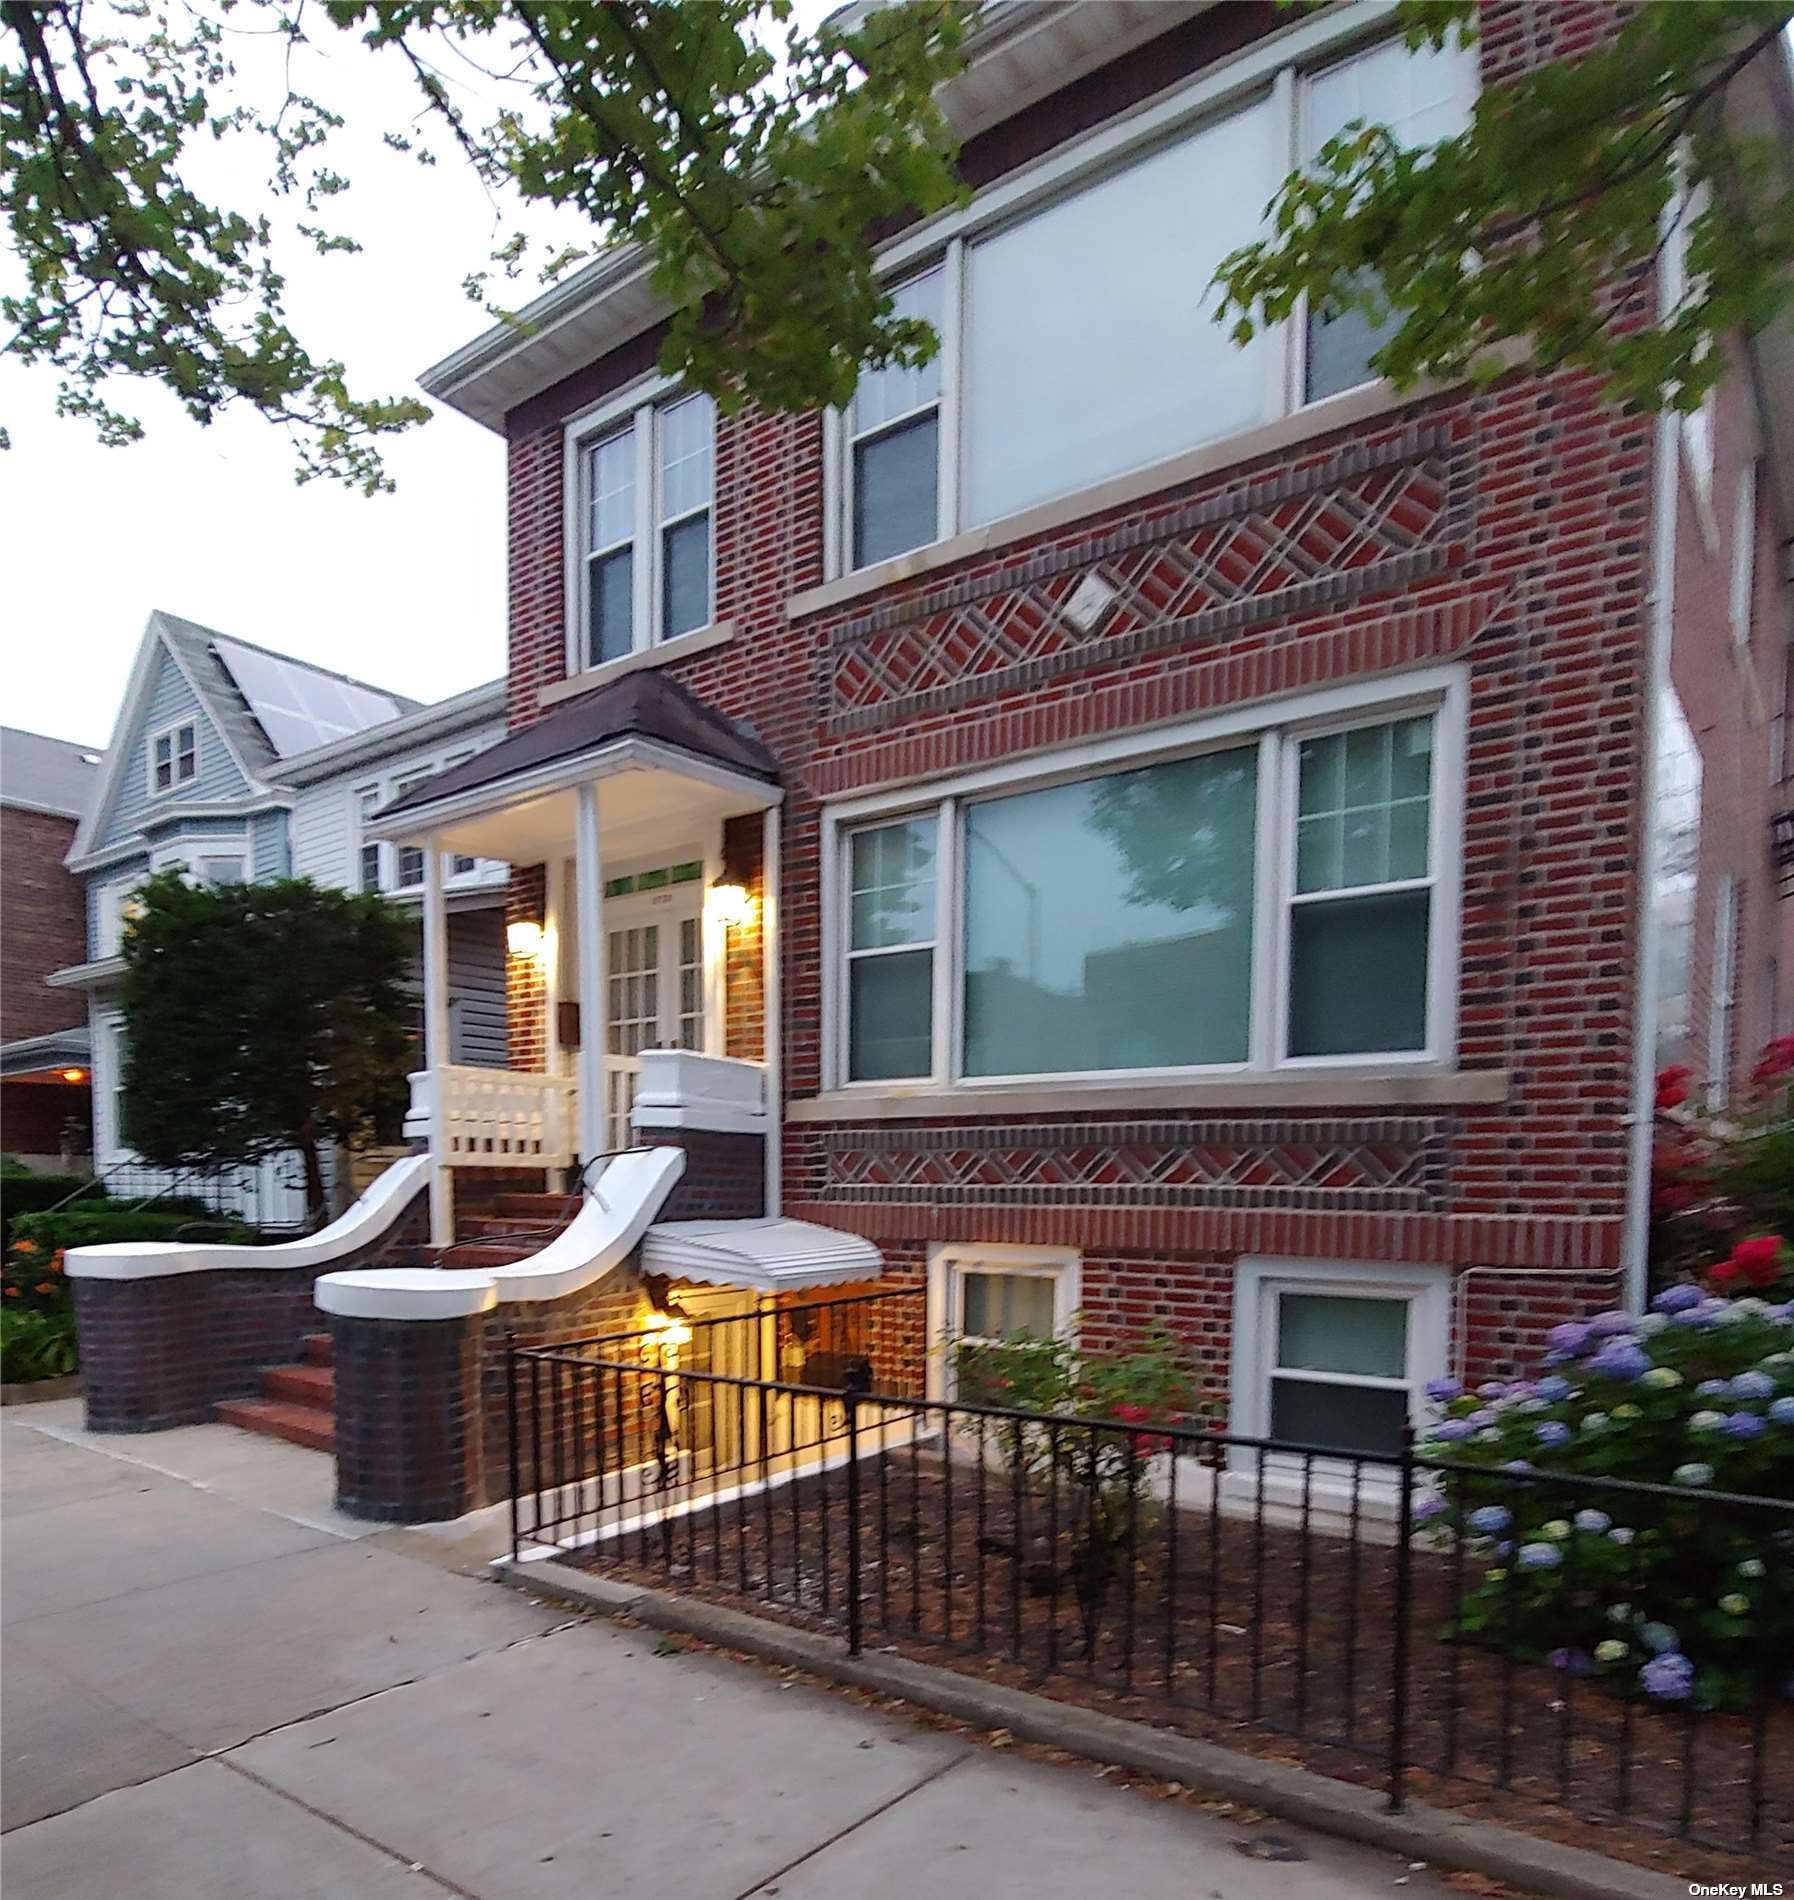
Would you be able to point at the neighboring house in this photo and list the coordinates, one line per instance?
(45, 1057)
(1196, 804)
(236, 763)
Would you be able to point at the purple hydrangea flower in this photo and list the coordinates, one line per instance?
(1490, 1389)
(1677, 1299)
(1593, 1521)
(1443, 1391)
(1745, 1425)
(1669, 1678)
(1554, 1389)
(1453, 1431)
(1483, 1418)
(1571, 1337)
(1709, 1388)
(1752, 1385)
(1782, 1411)
(1621, 1360)
(1540, 1557)
(1491, 1520)
(1577, 1661)
(1610, 1325)
(1428, 1508)
(1552, 1433)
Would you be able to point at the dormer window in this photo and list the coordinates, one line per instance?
(646, 483)
(173, 757)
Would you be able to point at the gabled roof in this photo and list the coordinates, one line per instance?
(195, 650)
(38, 773)
(638, 706)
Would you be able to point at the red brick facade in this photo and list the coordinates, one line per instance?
(1506, 530)
(45, 926)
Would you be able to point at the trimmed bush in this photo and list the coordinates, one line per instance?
(37, 1344)
(1673, 1596)
(23, 1192)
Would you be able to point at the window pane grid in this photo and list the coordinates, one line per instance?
(610, 467)
(687, 435)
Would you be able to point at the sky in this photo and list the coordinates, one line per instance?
(406, 591)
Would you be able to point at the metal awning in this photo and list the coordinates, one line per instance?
(766, 1255)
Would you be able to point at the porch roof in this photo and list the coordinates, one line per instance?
(645, 705)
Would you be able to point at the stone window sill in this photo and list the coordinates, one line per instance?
(681, 647)
(1378, 1090)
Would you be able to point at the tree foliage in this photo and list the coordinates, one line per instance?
(1532, 227)
(261, 1018)
(750, 158)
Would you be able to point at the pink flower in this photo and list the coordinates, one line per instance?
(1758, 1260)
(1776, 1060)
(1672, 1086)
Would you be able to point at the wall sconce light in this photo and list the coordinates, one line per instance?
(74, 1075)
(730, 904)
(524, 938)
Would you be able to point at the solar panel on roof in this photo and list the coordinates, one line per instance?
(297, 707)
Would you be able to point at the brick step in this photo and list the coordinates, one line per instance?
(543, 1207)
(520, 1227)
(306, 1425)
(303, 1385)
(319, 1349)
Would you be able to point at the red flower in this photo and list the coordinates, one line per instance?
(1727, 1273)
(1145, 1444)
(1776, 1060)
(1674, 1197)
(1672, 1086)
(1758, 1260)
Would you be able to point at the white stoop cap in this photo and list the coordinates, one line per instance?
(767, 1255)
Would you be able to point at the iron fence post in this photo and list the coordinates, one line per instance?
(850, 1400)
(1404, 1589)
(516, 1467)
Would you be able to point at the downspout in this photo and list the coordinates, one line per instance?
(1660, 627)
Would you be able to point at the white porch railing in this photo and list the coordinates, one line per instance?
(495, 1118)
(622, 1077)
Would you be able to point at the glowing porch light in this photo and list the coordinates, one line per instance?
(524, 938)
(730, 904)
(74, 1075)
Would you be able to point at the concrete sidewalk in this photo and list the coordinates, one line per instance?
(214, 1685)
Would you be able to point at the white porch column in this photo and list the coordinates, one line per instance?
(588, 898)
(771, 1004)
(436, 1043)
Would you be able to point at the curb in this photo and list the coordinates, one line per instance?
(1420, 1832)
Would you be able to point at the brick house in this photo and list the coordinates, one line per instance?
(1134, 828)
(44, 786)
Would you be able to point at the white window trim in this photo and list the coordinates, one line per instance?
(106, 1078)
(383, 791)
(170, 733)
(1280, 724)
(637, 407)
(182, 852)
(1273, 70)
(1257, 1281)
(949, 1260)
(1742, 599)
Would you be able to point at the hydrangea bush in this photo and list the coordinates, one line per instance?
(1675, 1597)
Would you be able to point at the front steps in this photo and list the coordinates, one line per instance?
(298, 1403)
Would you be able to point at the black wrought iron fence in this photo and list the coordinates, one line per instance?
(1221, 1584)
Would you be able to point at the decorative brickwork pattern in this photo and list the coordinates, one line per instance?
(1368, 517)
(1379, 1166)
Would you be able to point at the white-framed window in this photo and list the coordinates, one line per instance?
(115, 903)
(408, 859)
(173, 757)
(109, 1086)
(1117, 237)
(1744, 556)
(991, 1292)
(1420, 96)
(641, 495)
(1203, 901)
(1723, 998)
(1335, 1355)
(367, 850)
(223, 867)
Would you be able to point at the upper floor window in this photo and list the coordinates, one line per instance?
(408, 859)
(645, 494)
(1021, 405)
(1420, 96)
(1220, 908)
(367, 859)
(173, 756)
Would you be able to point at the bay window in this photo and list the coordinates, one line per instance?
(1076, 306)
(1246, 899)
(644, 487)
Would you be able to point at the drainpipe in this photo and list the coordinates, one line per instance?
(1660, 627)
(771, 1005)
(436, 1045)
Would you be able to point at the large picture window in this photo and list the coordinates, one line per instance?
(1021, 407)
(1272, 897)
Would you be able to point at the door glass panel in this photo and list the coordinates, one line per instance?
(634, 976)
(691, 984)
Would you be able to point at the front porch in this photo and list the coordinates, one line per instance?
(643, 834)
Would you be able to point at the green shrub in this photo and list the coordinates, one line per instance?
(32, 1278)
(36, 1345)
(26, 1193)
(1666, 1595)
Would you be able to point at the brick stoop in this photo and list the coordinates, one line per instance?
(298, 1402)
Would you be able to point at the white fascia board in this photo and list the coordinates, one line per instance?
(86, 976)
(627, 753)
